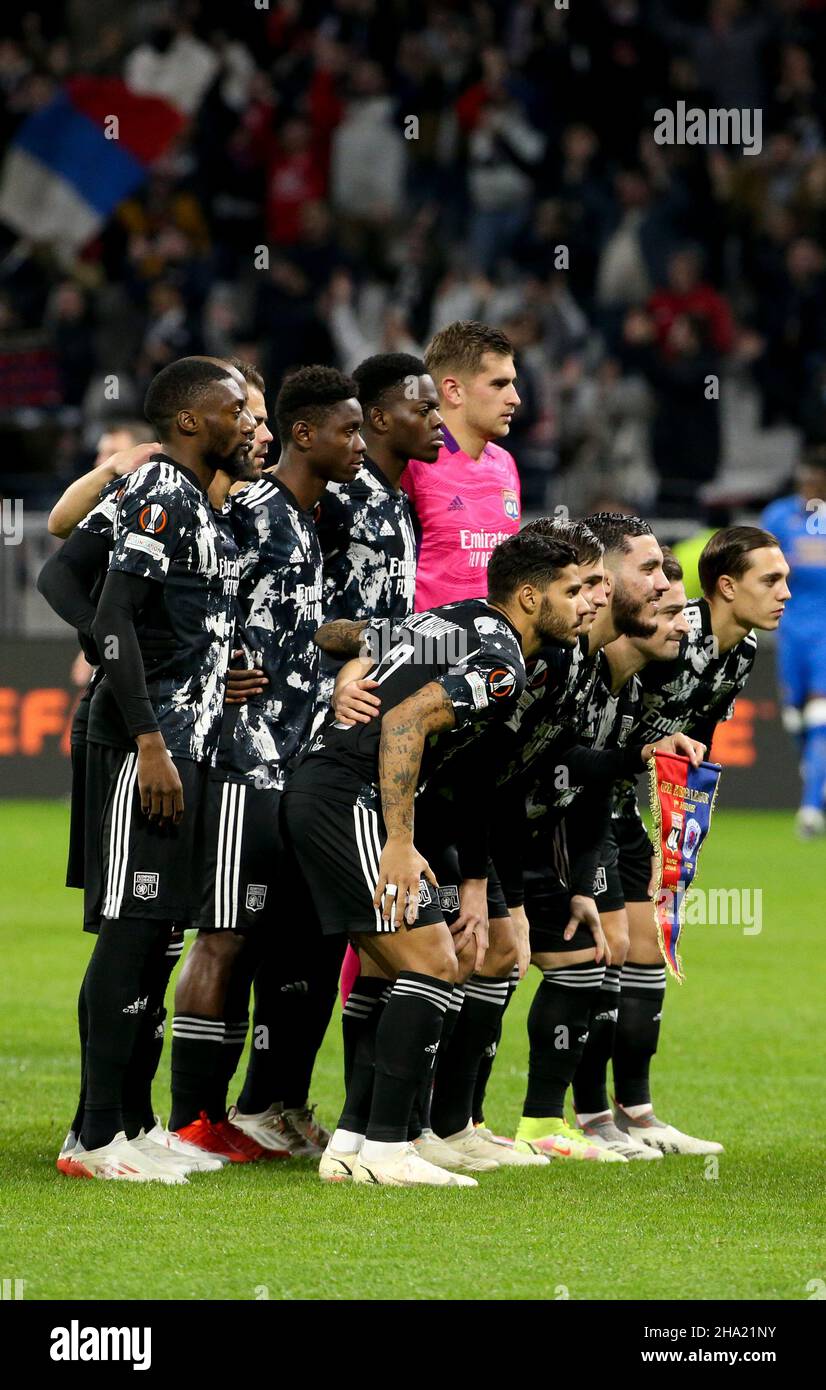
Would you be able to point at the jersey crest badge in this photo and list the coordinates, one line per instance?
(510, 502)
(256, 896)
(145, 885)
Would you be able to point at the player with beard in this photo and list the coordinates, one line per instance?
(71, 581)
(349, 814)
(625, 659)
(744, 577)
(249, 883)
(152, 729)
(559, 892)
(558, 701)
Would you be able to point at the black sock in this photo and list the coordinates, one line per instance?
(137, 1084)
(487, 1058)
(421, 1113)
(294, 1000)
(476, 1028)
(82, 1029)
(197, 1058)
(638, 1030)
(591, 1078)
(235, 1036)
(407, 1040)
(557, 1032)
(116, 999)
(359, 1021)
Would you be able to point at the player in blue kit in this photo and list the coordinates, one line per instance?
(799, 523)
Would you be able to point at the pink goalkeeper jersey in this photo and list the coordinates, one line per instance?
(464, 509)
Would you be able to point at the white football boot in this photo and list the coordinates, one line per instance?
(269, 1129)
(337, 1165)
(474, 1143)
(120, 1160)
(647, 1129)
(198, 1161)
(434, 1150)
(602, 1132)
(405, 1168)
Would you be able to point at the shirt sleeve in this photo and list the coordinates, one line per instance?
(100, 521)
(486, 686)
(152, 519)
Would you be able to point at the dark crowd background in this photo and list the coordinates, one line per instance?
(354, 174)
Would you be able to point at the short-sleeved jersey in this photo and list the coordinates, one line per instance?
(280, 612)
(694, 692)
(464, 507)
(100, 521)
(469, 648)
(802, 538)
(166, 531)
(369, 546)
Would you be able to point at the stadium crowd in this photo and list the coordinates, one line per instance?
(406, 166)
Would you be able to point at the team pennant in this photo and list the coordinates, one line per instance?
(682, 800)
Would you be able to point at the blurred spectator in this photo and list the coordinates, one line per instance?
(686, 294)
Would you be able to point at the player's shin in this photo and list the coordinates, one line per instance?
(116, 999)
(407, 1041)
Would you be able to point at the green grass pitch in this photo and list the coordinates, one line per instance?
(741, 1061)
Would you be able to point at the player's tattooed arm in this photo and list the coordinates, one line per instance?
(81, 495)
(342, 638)
(404, 731)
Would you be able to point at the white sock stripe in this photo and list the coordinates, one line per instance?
(190, 1030)
(355, 1011)
(368, 999)
(201, 1022)
(489, 986)
(569, 980)
(485, 996)
(414, 990)
(514, 975)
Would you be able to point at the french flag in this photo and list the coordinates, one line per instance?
(71, 163)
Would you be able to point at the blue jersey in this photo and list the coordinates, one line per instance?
(802, 537)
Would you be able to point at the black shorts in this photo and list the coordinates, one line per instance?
(548, 907)
(635, 851)
(75, 864)
(243, 856)
(338, 845)
(134, 867)
(608, 894)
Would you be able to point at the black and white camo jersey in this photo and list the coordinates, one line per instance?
(98, 522)
(468, 647)
(166, 531)
(693, 693)
(280, 612)
(603, 720)
(369, 545)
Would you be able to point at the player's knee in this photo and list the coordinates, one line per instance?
(440, 962)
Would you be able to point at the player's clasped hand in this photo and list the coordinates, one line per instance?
(354, 703)
(687, 747)
(397, 891)
(473, 917)
(162, 796)
(243, 682)
(584, 912)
